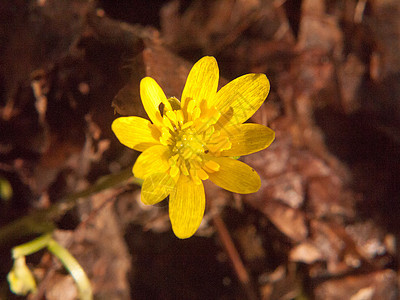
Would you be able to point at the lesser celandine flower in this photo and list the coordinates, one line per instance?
(196, 139)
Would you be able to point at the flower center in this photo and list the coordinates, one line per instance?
(190, 134)
(188, 145)
(187, 152)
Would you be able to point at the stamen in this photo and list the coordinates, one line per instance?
(184, 169)
(171, 116)
(166, 138)
(191, 135)
(179, 116)
(167, 122)
(202, 175)
(174, 171)
(167, 106)
(187, 125)
(196, 113)
(190, 107)
(219, 143)
(208, 133)
(194, 176)
(212, 165)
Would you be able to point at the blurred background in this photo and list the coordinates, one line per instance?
(325, 223)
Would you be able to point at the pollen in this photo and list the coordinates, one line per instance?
(191, 140)
(189, 145)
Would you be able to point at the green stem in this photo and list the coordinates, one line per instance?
(74, 268)
(68, 261)
(31, 247)
(42, 221)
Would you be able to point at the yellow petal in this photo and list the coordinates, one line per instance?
(202, 81)
(240, 99)
(136, 133)
(235, 176)
(152, 95)
(186, 207)
(153, 160)
(156, 187)
(247, 138)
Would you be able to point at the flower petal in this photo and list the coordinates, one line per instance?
(156, 187)
(241, 98)
(136, 133)
(202, 81)
(152, 95)
(235, 176)
(247, 138)
(186, 207)
(153, 160)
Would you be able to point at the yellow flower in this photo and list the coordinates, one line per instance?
(195, 139)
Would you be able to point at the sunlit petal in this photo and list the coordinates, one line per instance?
(136, 133)
(247, 138)
(202, 81)
(186, 207)
(241, 98)
(235, 176)
(156, 187)
(153, 160)
(152, 95)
